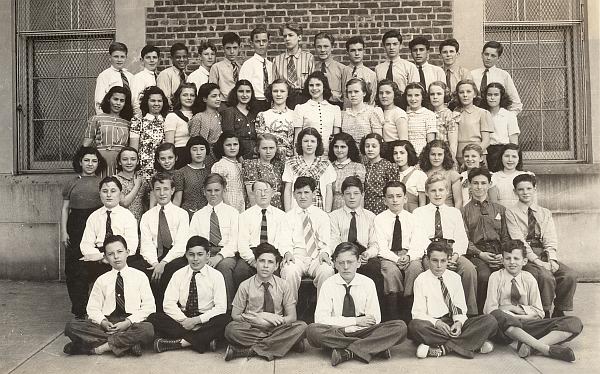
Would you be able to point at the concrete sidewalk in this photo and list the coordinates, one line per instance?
(33, 317)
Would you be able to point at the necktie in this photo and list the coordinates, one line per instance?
(191, 307)
(348, 310)
(390, 73)
(515, 295)
(264, 237)
(483, 81)
(354, 75)
(155, 77)
(422, 77)
(268, 305)
(309, 235)
(119, 297)
(352, 235)
(181, 77)
(397, 236)
(532, 232)
(292, 74)
(109, 231)
(265, 77)
(439, 234)
(448, 75)
(452, 309)
(164, 240)
(215, 231)
(125, 80)
(236, 71)
(323, 68)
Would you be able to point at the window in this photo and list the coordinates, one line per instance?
(62, 47)
(542, 51)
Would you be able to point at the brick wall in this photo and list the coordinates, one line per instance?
(190, 21)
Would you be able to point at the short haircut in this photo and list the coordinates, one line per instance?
(302, 182)
(205, 44)
(117, 46)
(111, 179)
(153, 90)
(473, 147)
(434, 178)
(231, 38)
(363, 86)
(127, 111)
(178, 47)
(218, 149)
(128, 149)
(345, 247)
(197, 241)
(179, 90)
(425, 162)
(395, 89)
(262, 29)
(162, 177)
(81, 153)
(391, 184)
(353, 153)
(294, 26)
(449, 42)
(268, 137)
(114, 239)
(416, 86)
(203, 93)
(324, 35)
(439, 246)
(392, 34)
(214, 178)
(263, 248)
(511, 147)
(161, 148)
(320, 76)
(479, 171)
(309, 131)
(262, 180)
(197, 140)
(510, 245)
(149, 49)
(412, 158)
(418, 40)
(495, 45)
(356, 39)
(232, 97)
(375, 136)
(527, 177)
(352, 181)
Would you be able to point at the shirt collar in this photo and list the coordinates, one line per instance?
(280, 111)
(123, 271)
(259, 283)
(296, 55)
(115, 209)
(349, 211)
(314, 103)
(469, 110)
(203, 271)
(344, 163)
(151, 117)
(349, 111)
(525, 208)
(258, 57)
(308, 210)
(418, 111)
(117, 70)
(454, 69)
(339, 280)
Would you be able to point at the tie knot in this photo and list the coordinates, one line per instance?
(514, 280)
(266, 285)
(347, 287)
(162, 208)
(118, 273)
(437, 208)
(108, 213)
(419, 67)
(353, 213)
(264, 211)
(195, 272)
(397, 217)
(440, 278)
(486, 70)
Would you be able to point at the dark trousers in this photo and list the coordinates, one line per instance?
(468, 276)
(372, 269)
(87, 334)
(538, 328)
(94, 270)
(494, 157)
(475, 331)
(363, 343)
(226, 266)
(266, 342)
(483, 275)
(167, 327)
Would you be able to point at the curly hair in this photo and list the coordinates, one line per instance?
(320, 76)
(505, 101)
(309, 131)
(153, 90)
(232, 98)
(353, 153)
(127, 112)
(425, 162)
(177, 95)
(412, 157)
(84, 151)
(397, 93)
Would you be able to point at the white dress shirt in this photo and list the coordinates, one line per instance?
(291, 235)
(505, 125)
(404, 72)
(365, 230)
(228, 225)
(432, 73)
(412, 237)
(252, 70)
(452, 225)
(212, 296)
(106, 80)
(139, 301)
(331, 301)
(169, 81)
(140, 82)
(198, 77)
(499, 293)
(249, 231)
(122, 222)
(429, 304)
(178, 220)
(498, 75)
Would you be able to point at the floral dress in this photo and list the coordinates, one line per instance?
(139, 204)
(281, 125)
(377, 175)
(151, 133)
(253, 170)
(344, 170)
(235, 192)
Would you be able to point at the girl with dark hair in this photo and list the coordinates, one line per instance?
(344, 155)
(437, 158)
(240, 115)
(402, 153)
(227, 151)
(189, 180)
(379, 171)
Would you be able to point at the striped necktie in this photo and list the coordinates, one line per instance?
(264, 237)
(309, 235)
(515, 295)
(119, 297)
(236, 71)
(125, 80)
(215, 231)
(292, 73)
(452, 309)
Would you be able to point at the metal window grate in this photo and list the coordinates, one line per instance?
(531, 10)
(55, 15)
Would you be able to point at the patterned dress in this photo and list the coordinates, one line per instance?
(208, 126)
(253, 170)
(280, 124)
(377, 175)
(343, 171)
(139, 204)
(359, 124)
(320, 170)
(190, 181)
(235, 193)
(446, 123)
(110, 134)
(151, 133)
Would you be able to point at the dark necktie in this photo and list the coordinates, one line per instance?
(125, 80)
(348, 310)
(483, 81)
(439, 233)
(390, 73)
(292, 74)
(354, 75)
(236, 71)
(119, 297)
(191, 307)
(352, 234)
(215, 231)
(515, 295)
(452, 309)
(531, 225)
(264, 234)
(109, 231)
(323, 68)
(397, 235)
(265, 77)
(155, 77)
(181, 76)
(268, 305)
(448, 76)
(422, 77)
(164, 240)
